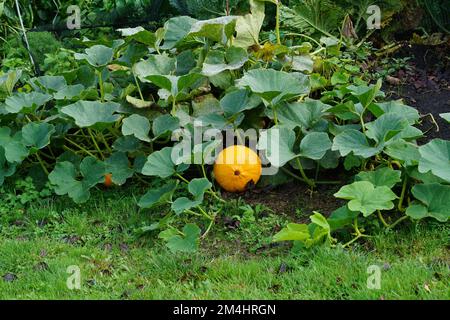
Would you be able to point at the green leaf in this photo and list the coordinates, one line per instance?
(66, 180)
(188, 242)
(6, 169)
(366, 94)
(404, 151)
(274, 86)
(366, 198)
(92, 113)
(435, 157)
(218, 29)
(278, 144)
(197, 187)
(386, 127)
(165, 124)
(154, 65)
(127, 144)
(356, 142)
(249, 26)
(381, 177)
(306, 115)
(118, 166)
(156, 197)
(69, 92)
(139, 34)
(176, 29)
(97, 56)
(49, 84)
(218, 61)
(205, 105)
(293, 232)
(341, 218)
(302, 63)
(396, 107)
(182, 204)
(434, 200)
(138, 126)
(13, 146)
(320, 220)
(237, 101)
(28, 101)
(445, 116)
(37, 134)
(314, 145)
(63, 179)
(174, 84)
(160, 164)
(93, 171)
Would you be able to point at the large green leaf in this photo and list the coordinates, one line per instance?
(139, 34)
(396, 107)
(97, 56)
(174, 84)
(176, 29)
(402, 150)
(278, 144)
(118, 166)
(274, 86)
(183, 204)
(14, 149)
(187, 242)
(434, 202)
(37, 134)
(356, 142)
(165, 124)
(342, 217)
(160, 164)
(27, 102)
(218, 29)
(218, 61)
(306, 115)
(155, 197)
(67, 180)
(154, 65)
(237, 101)
(366, 198)
(92, 113)
(197, 187)
(386, 127)
(293, 232)
(381, 177)
(314, 145)
(49, 84)
(435, 157)
(137, 126)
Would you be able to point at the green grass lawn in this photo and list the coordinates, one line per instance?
(117, 261)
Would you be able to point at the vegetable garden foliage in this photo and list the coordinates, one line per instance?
(116, 112)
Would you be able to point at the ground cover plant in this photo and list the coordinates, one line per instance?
(149, 111)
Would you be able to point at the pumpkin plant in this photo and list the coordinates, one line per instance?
(118, 116)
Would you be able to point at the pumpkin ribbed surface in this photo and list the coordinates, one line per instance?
(236, 167)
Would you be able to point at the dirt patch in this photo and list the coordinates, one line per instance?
(289, 198)
(426, 86)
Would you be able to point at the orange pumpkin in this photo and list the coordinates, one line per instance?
(236, 167)
(108, 180)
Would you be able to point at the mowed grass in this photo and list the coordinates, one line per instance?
(117, 262)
